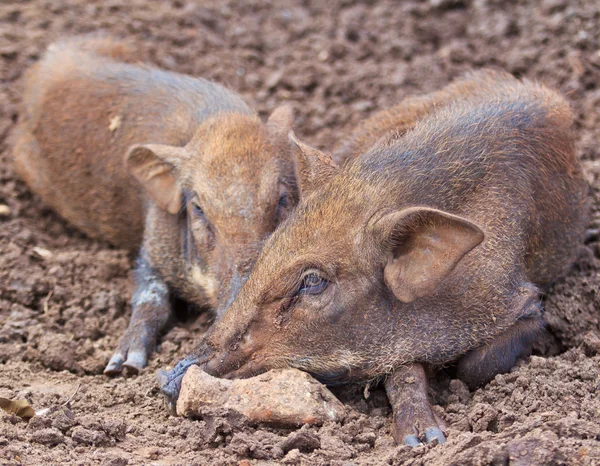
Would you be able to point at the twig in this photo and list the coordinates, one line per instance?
(72, 396)
(46, 299)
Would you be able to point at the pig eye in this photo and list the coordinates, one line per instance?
(313, 283)
(197, 210)
(283, 201)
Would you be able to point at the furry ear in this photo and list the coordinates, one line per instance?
(152, 165)
(424, 247)
(313, 167)
(281, 120)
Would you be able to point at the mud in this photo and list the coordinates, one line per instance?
(64, 298)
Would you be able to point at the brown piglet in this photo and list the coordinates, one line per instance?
(429, 248)
(179, 168)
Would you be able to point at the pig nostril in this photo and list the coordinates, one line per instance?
(170, 381)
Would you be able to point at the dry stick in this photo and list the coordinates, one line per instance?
(46, 299)
(72, 396)
(44, 411)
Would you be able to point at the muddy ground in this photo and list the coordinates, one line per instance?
(62, 312)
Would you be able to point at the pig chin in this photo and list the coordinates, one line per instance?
(340, 376)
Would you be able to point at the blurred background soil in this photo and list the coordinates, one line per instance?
(64, 298)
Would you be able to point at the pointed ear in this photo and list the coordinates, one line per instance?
(152, 165)
(424, 247)
(281, 120)
(313, 167)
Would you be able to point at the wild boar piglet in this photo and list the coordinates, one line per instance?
(175, 166)
(431, 247)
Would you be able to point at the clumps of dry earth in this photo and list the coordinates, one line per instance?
(64, 298)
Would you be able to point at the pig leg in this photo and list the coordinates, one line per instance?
(413, 419)
(481, 365)
(151, 310)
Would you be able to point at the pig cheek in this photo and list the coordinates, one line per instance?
(202, 263)
(207, 282)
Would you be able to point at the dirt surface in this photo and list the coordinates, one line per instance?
(64, 298)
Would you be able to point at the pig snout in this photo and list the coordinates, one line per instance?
(236, 359)
(170, 381)
(232, 289)
(234, 270)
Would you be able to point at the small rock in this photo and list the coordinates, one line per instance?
(4, 210)
(293, 457)
(89, 437)
(38, 423)
(301, 440)
(116, 428)
(115, 461)
(283, 397)
(274, 79)
(367, 437)
(64, 420)
(43, 253)
(49, 437)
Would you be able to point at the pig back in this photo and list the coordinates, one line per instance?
(506, 162)
(81, 113)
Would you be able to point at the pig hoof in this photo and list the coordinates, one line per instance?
(132, 353)
(433, 433)
(115, 365)
(412, 441)
(135, 362)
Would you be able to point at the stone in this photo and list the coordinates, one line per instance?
(285, 397)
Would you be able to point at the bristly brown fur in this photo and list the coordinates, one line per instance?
(112, 145)
(435, 238)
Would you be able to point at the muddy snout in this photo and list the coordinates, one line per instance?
(231, 290)
(170, 381)
(233, 271)
(232, 364)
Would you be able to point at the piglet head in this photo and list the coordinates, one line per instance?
(336, 282)
(230, 186)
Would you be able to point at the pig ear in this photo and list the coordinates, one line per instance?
(281, 119)
(152, 165)
(313, 167)
(424, 247)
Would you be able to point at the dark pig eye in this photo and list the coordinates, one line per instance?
(197, 210)
(313, 284)
(283, 201)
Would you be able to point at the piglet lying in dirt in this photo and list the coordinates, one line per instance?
(139, 156)
(431, 247)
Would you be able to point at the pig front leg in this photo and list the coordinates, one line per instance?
(413, 418)
(151, 309)
(481, 365)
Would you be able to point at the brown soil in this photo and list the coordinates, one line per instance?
(61, 314)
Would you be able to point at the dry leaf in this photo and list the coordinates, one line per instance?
(21, 408)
